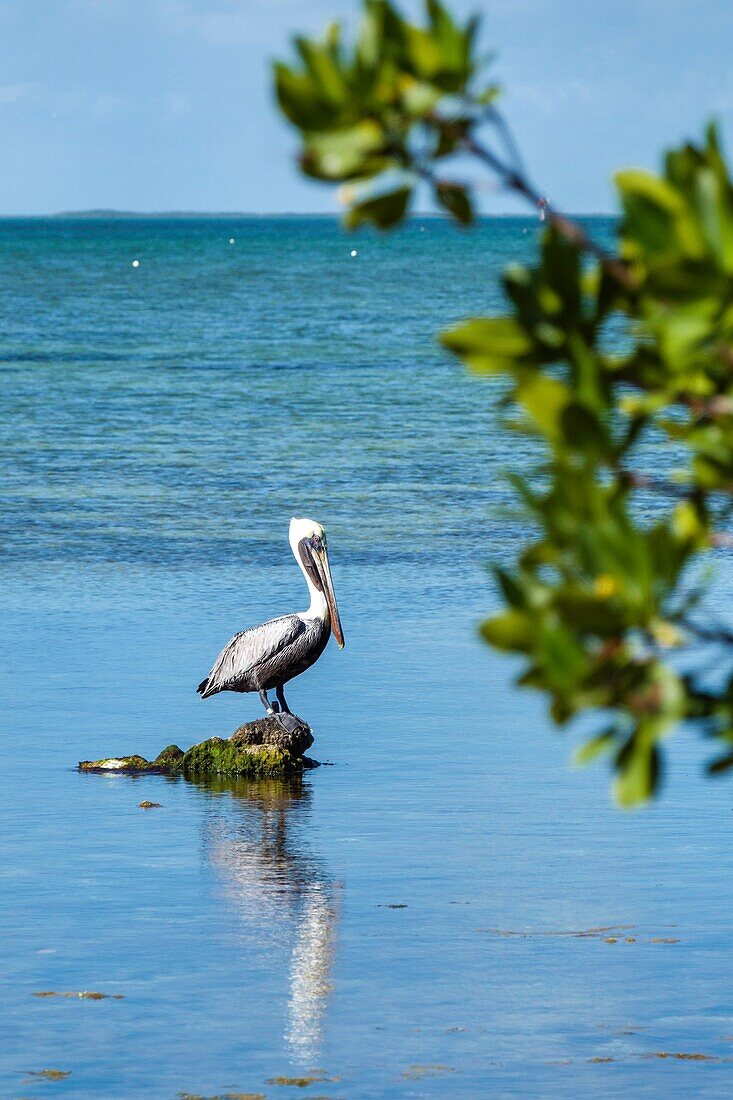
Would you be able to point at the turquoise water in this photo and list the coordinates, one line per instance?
(399, 921)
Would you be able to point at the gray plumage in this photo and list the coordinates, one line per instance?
(267, 656)
(270, 655)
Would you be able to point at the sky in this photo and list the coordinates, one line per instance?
(156, 105)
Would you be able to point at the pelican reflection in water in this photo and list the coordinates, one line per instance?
(268, 656)
(282, 892)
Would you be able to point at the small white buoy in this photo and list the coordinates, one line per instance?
(354, 252)
(136, 263)
(524, 230)
(231, 240)
(422, 228)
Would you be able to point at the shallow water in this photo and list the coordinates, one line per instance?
(160, 425)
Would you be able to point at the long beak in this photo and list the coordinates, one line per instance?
(324, 572)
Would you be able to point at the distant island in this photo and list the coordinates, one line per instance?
(109, 215)
(102, 214)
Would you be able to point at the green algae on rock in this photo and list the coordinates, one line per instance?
(257, 750)
(166, 762)
(169, 757)
(219, 757)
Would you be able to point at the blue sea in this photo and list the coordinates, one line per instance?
(445, 908)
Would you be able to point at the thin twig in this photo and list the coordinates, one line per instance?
(719, 634)
(657, 485)
(569, 230)
(719, 405)
(499, 122)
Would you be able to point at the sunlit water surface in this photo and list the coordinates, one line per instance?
(397, 924)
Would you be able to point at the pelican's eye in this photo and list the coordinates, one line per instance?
(316, 542)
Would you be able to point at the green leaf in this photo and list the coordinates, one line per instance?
(384, 211)
(582, 429)
(512, 592)
(591, 614)
(653, 210)
(512, 630)
(300, 99)
(455, 200)
(561, 656)
(591, 750)
(488, 343)
(324, 71)
(450, 39)
(655, 191)
(716, 216)
(639, 771)
(561, 269)
(344, 154)
(424, 53)
(545, 399)
(440, 20)
(419, 98)
(720, 764)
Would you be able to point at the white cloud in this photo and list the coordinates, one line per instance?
(234, 22)
(176, 104)
(12, 93)
(105, 8)
(81, 103)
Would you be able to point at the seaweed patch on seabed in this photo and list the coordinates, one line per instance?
(84, 995)
(608, 933)
(317, 1077)
(643, 1056)
(222, 1096)
(582, 934)
(684, 1056)
(47, 1074)
(417, 1072)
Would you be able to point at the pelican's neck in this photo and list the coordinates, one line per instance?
(318, 608)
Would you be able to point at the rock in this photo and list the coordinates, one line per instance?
(170, 757)
(257, 750)
(166, 762)
(268, 731)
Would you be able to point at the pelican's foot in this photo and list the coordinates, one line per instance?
(290, 722)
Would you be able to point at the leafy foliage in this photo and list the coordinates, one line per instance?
(601, 603)
(378, 115)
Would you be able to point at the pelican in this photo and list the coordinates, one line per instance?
(267, 656)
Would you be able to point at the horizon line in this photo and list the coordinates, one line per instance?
(100, 213)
